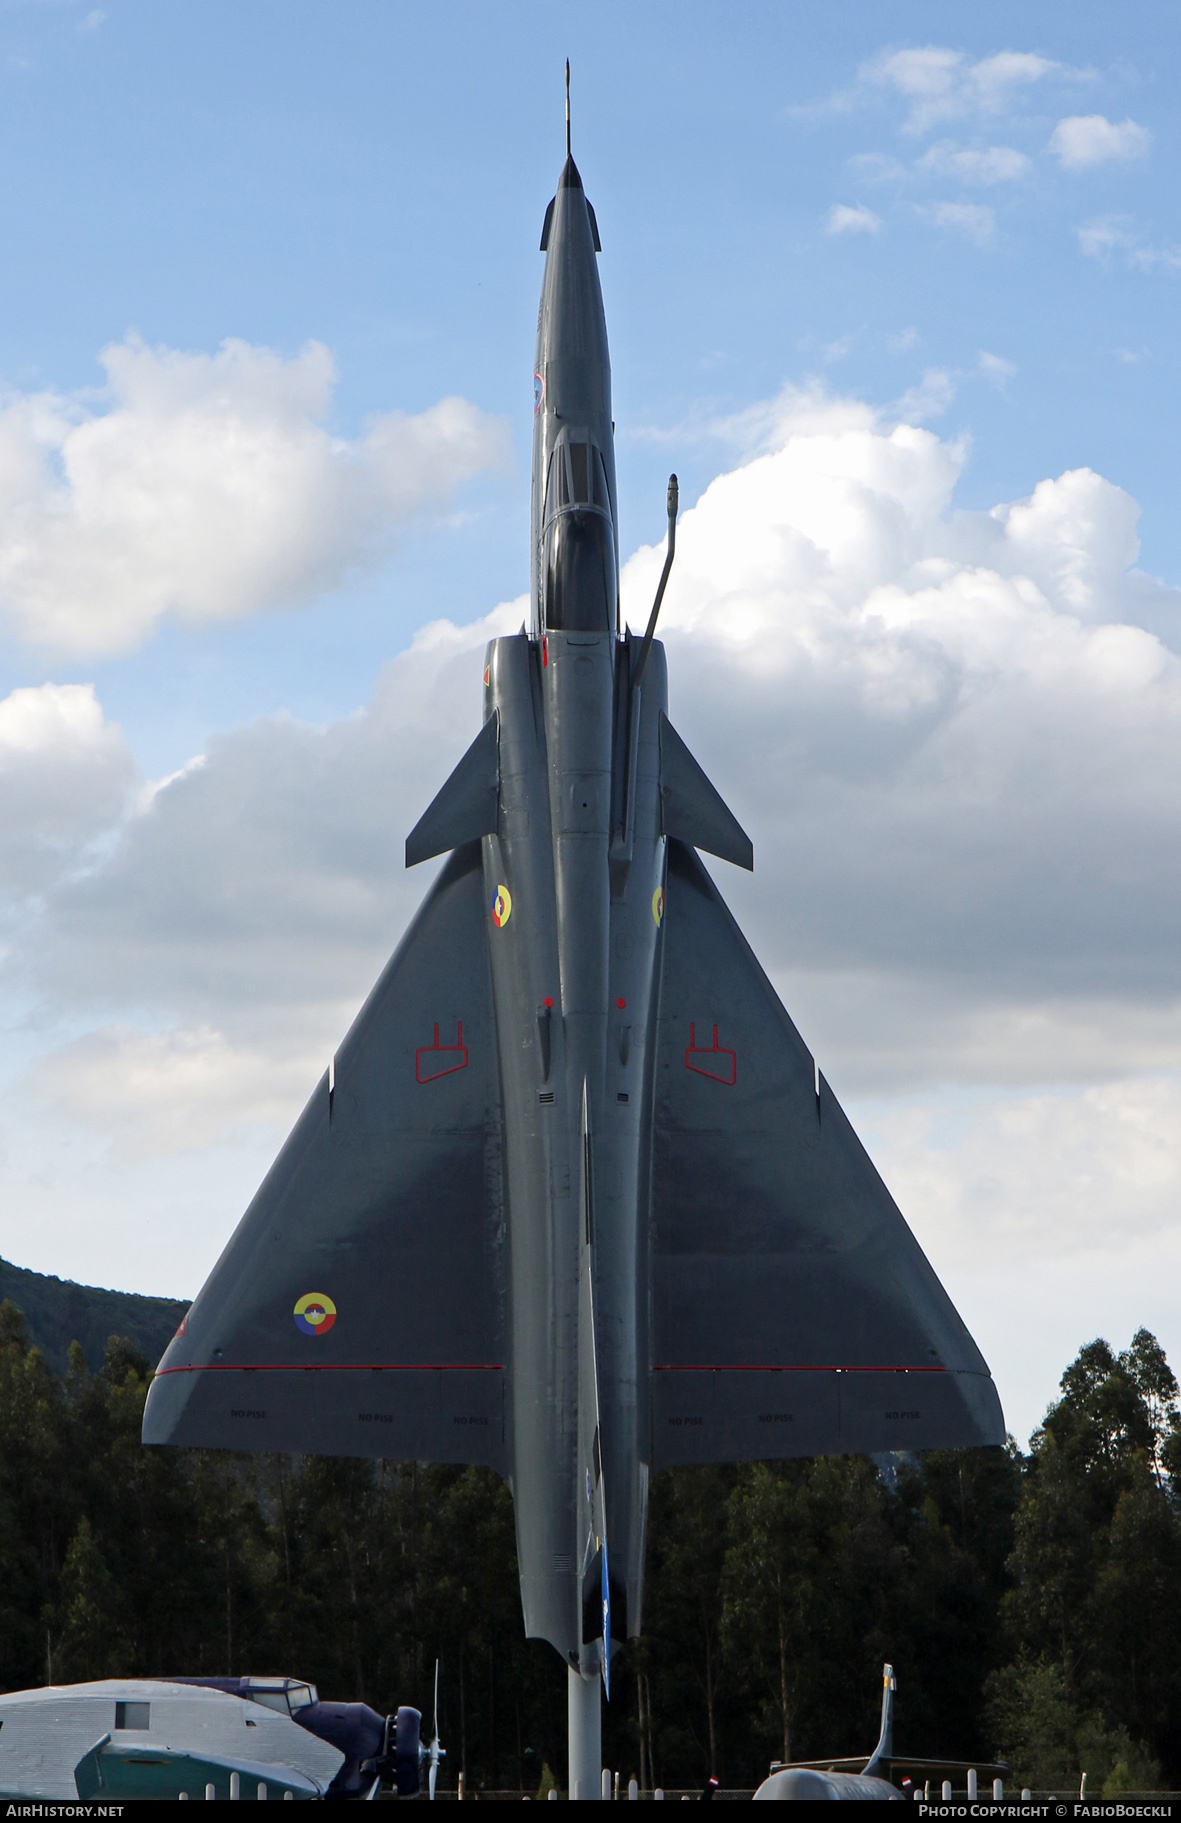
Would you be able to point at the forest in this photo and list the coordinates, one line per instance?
(1031, 1604)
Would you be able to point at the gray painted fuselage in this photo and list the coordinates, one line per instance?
(574, 1200)
(574, 982)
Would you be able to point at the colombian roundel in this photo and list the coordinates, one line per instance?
(658, 905)
(502, 907)
(315, 1314)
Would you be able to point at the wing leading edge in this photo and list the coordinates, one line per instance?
(359, 1307)
(793, 1311)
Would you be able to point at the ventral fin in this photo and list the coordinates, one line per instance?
(692, 809)
(465, 808)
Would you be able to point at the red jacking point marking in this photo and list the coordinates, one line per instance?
(548, 1001)
(621, 1002)
(776, 1367)
(458, 1050)
(724, 1065)
(336, 1367)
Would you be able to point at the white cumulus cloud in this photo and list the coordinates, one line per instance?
(843, 219)
(983, 165)
(973, 220)
(994, 367)
(1109, 237)
(205, 487)
(1084, 140)
(929, 399)
(939, 83)
(66, 777)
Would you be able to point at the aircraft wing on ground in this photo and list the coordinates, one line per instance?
(111, 1771)
(793, 1311)
(359, 1307)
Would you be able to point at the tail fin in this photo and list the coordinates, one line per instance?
(885, 1747)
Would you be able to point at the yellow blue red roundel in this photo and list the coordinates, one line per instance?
(502, 907)
(315, 1313)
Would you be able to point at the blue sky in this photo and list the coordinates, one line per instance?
(372, 176)
(819, 224)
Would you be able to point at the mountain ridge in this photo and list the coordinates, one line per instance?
(60, 1311)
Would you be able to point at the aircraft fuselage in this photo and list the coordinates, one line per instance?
(575, 877)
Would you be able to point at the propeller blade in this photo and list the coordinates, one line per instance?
(437, 1752)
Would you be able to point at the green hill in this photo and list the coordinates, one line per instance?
(58, 1312)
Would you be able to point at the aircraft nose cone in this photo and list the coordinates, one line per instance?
(569, 180)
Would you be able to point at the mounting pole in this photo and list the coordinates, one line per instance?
(672, 503)
(585, 1721)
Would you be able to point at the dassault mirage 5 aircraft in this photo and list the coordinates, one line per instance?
(573, 1198)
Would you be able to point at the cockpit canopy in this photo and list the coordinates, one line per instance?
(280, 1693)
(580, 586)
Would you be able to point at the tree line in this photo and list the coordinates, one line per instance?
(1031, 1604)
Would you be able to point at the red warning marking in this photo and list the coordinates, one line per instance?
(428, 1059)
(548, 1001)
(722, 1065)
(621, 1002)
(544, 650)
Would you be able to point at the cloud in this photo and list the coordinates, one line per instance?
(929, 399)
(152, 1094)
(994, 367)
(954, 736)
(1111, 235)
(967, 740)
(66, 778)
(206, 487)
(876, 167)
(1048, 1174)
(1084, 140)
(974, 220)
(856, 220)
(987, 165)
(941, 84)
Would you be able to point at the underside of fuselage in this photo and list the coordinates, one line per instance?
(574, 1199)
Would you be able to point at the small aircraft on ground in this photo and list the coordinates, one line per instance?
(206, 1737)
(861, 1778)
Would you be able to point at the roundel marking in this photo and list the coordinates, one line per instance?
(487, 675)
(502, 907)
(658, 905)
(538, 391)
(315, 1313)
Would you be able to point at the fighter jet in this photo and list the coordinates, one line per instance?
(573, 1198)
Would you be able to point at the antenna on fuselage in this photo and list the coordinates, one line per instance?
(567, 107)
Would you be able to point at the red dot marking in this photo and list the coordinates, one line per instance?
(621, 1001)
(549, 1000)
